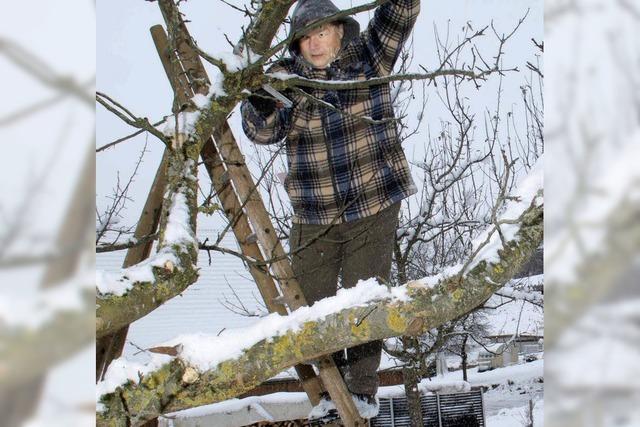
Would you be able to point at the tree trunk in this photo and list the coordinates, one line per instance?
(411, 372)
(463, 354)
(411, 376)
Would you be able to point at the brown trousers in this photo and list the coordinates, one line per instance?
(350, 251)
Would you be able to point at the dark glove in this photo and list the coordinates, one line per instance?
(263, 102)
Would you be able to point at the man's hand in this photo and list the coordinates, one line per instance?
(263, 102)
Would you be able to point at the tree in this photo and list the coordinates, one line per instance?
(456, 202)
(139, 289)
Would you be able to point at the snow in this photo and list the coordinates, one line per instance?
(184, 122)
(516, 373)
(121, 282)
(321, 409)
(495, 347)
(281, 75)
(508, 387)
(178, 229)
(521, 377)
(236, 62)
(516, 318)
(200, 100)
(298, 402)
(232, 405)
(206, 351)
(526, 192)
(432, 281)
(365, 409)
(536, 297)
(216, 89)
(177, 232)
(121, 371)
(512, 417)
(439, 385)
(27, 311)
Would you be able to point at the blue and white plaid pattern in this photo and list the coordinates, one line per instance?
(342, 168)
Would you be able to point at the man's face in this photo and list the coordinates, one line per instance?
(321, 45)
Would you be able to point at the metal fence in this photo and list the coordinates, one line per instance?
(438, 410)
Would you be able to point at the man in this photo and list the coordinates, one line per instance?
(347, 171)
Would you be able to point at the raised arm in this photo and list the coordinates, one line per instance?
(262, 122)
(387, 32)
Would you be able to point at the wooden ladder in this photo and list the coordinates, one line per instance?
(245, 209)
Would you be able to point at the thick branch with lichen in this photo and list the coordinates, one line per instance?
(124, 298)
(178, 385)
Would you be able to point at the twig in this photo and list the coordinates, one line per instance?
(294, 81)
(132, 120)
(128, 245)
(125, 138)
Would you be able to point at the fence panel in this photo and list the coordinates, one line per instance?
(456, 410)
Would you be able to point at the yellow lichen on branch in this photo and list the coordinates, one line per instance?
(424, 309)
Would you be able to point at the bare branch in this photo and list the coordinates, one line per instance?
(132, 120)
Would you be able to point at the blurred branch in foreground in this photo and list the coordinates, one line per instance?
(46, 323)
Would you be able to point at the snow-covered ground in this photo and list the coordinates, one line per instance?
(507, 388)
(512, 417)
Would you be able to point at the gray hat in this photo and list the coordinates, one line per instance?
(310, 11)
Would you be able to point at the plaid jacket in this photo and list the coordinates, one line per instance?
(342, 168)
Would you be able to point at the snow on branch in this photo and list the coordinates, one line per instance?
(203, 369)
(516, 290)
(133, 292)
